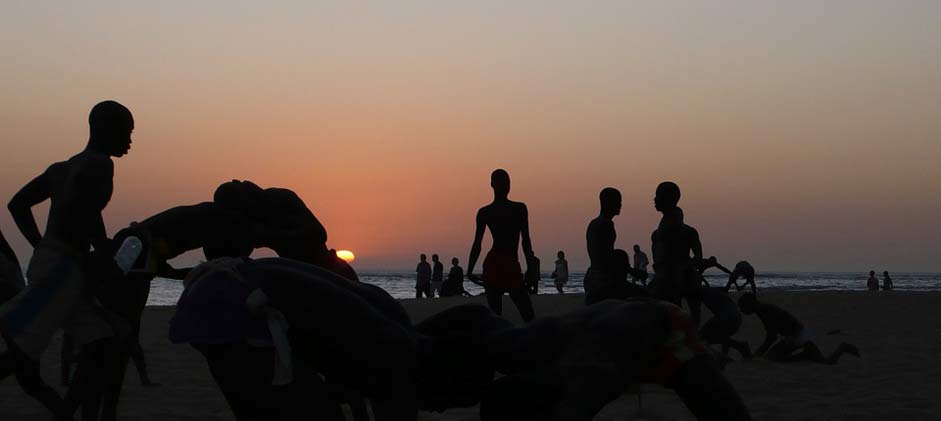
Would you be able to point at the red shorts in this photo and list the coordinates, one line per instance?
(502, 271)
(681, 345)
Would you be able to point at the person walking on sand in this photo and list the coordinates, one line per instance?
(640, 265)
(872, 283)
(508, 222)
(423, 278)
(560, 276)
(437, 276)
(57, 295)
(886, 281)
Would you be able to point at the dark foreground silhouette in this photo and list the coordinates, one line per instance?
(569, 367)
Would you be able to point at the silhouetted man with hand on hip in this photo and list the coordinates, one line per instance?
(508, 222)
(607, 275)
(57, 295)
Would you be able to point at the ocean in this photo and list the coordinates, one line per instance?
(401, 284)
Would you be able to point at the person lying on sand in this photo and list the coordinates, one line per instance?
(569, 367)
(786, 338)
(354, 334)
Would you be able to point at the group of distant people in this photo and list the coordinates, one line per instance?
(430, 279)
(872, 283)
(292, 337)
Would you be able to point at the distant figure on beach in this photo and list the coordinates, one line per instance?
(560, 276)
(872, 283)
(570, 367)
(676, 276)
(508, 222)
(640, 265)
(454, 285)
(886, 281)
(532, 276)
(437, 276)
(744, 270)
(291, 228)
(725, 322)
(423, 278)
(786, 338)
(57, 295)
(607, 274)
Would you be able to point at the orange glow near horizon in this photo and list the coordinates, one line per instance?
(795, 150)
(346, 255)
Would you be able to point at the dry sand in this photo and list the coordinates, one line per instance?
(899, 376)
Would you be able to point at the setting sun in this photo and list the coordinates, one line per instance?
(346, 255)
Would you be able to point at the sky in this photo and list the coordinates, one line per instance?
(805, 135)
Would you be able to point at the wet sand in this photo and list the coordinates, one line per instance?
(899, 376)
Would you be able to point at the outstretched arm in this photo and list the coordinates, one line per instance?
(475, 248)
(20, 206)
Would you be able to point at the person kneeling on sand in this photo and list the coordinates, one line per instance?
(569, 367)
(786, 338)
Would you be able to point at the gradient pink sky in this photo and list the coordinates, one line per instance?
(805, 135)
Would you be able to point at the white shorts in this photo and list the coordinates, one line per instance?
(55, 297)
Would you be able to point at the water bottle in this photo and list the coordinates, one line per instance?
(128, 253)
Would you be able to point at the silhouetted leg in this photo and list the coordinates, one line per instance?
(65, 359)
(559, 288)
(523, 303)
(706, 393)
(27, 375)
(95, 369)
(241, 378)
(495, 300)
(137, 355)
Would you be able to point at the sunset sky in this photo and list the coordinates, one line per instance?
(805, 135)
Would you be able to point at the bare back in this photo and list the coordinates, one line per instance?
(506, 221)
(79, 189)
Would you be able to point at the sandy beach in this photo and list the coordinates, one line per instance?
(899, 335)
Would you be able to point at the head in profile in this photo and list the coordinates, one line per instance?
(434, 258)
(500, 182)
(667, 196)
(747, 303)
(110, 125)
(636, 248)
(241, 196)
(423, 258)
(610, 199)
